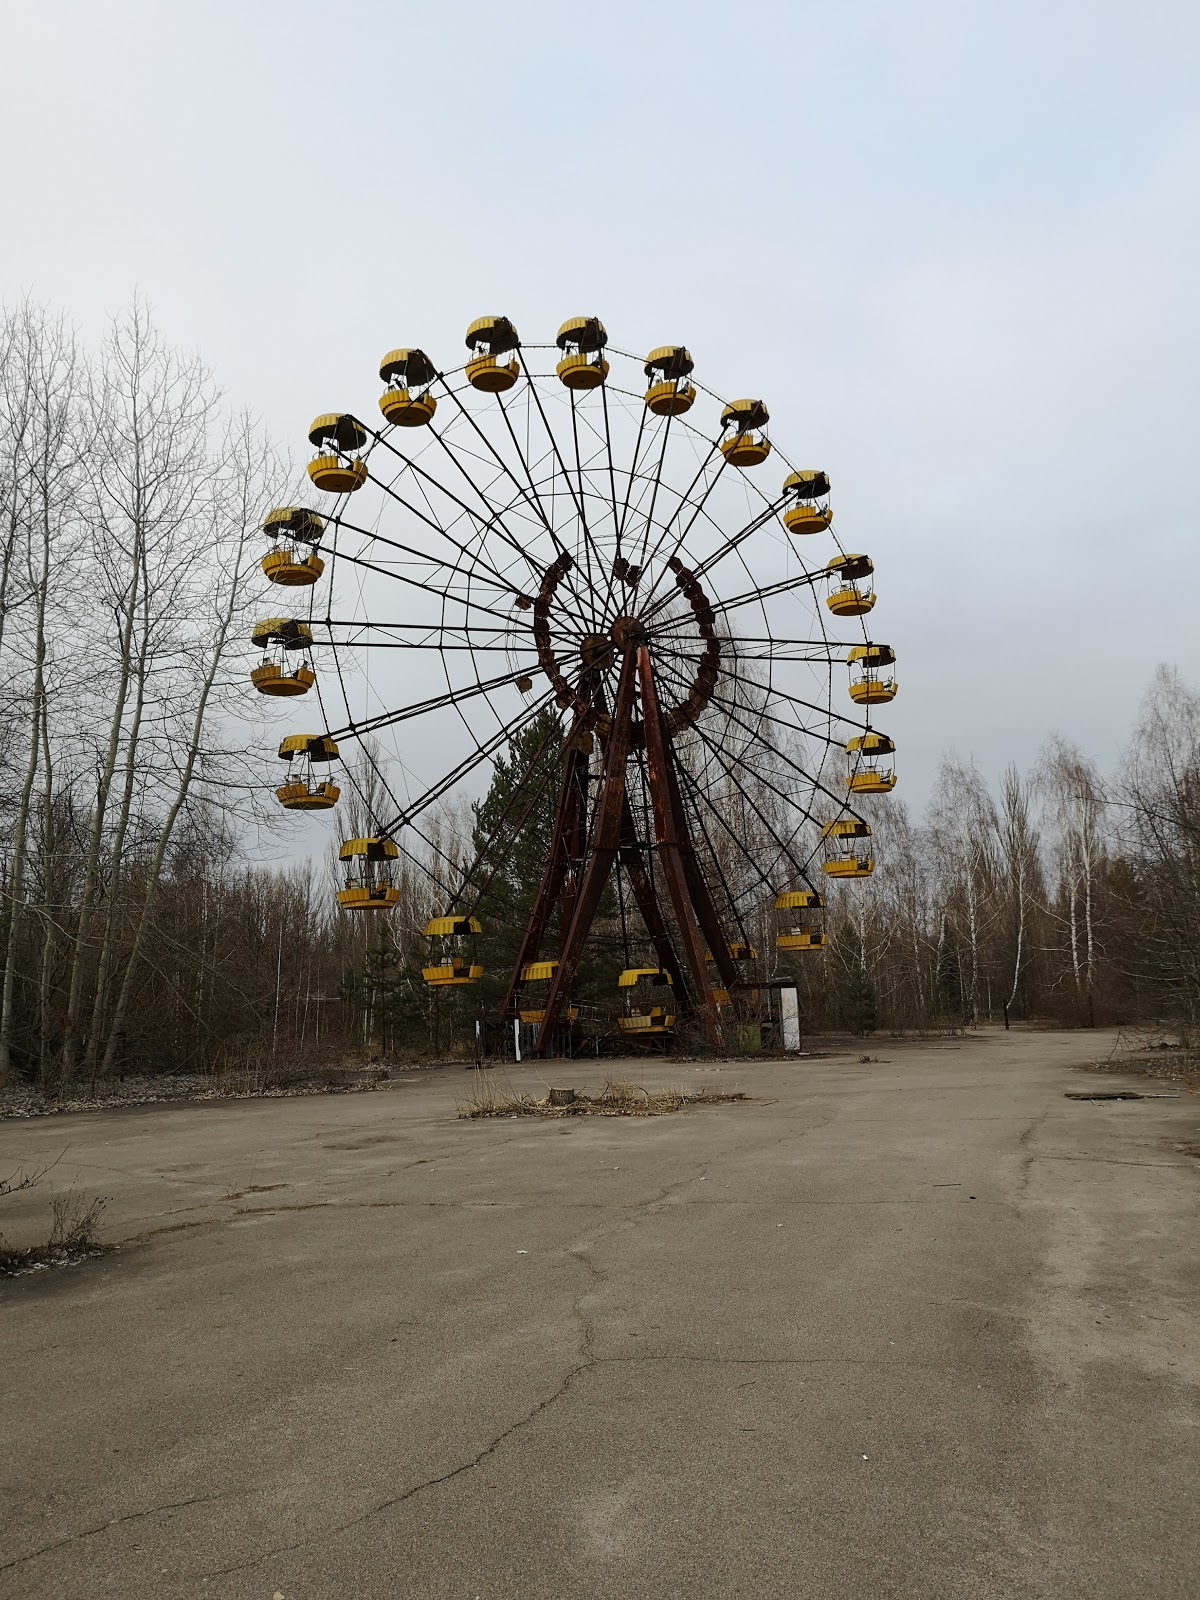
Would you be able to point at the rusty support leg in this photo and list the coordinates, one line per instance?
(647, 904)
(666, 826)
(606, 837)
(706, 912)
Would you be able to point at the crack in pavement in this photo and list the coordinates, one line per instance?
(417, 1488)
(88, 1533)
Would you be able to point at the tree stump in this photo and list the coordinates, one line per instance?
(561, 1097)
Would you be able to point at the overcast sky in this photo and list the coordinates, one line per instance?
(954, 247)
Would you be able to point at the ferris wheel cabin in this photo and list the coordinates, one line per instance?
(293, 561)
(646, 985)
(368, 866)
(304, 789)
(870, 770)
(406, 402)
(806, 495)
(582, 341)
(847, 852)
(868, 688)
(277, 637)
(744, 441)
(488, 339)
(667, 370)
(452, 950)
(799, 916)
(337, 467)
(848, 597)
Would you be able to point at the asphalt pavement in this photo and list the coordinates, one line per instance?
(912, 1327)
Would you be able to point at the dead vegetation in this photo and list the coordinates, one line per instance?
(1166, 1057)
(74, 1232)
(249, 1081)
(489, 1098)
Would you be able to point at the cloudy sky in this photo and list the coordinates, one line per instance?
(954, 247)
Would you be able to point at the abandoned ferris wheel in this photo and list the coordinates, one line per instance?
(569, 526)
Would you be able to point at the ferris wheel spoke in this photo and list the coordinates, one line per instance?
(820, 710)
(487, 524)
(590, 543)
(502, 582)
(580, 510)
(734, 542)
(756, 596)
(419, 708)
(501, 824)
(630, 476)
(655, 481)
(685, 500)
(535, 504)
(436, 636)
(365, 798)
(551, 772)
(415, 583)
(482, 752)
(749, 854)
(714, 857)
(841, 802)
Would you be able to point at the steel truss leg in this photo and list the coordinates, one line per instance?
(604, 848)
(647, 904)
(673, 842)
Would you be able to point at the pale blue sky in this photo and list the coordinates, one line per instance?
(954, 247)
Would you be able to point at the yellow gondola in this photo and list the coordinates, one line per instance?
(489, 338)
(291, 529)
(806, 494)
(582, 341)
(737, 952)
(540, 972)
(337, 467)
(450, 967)
(848, 597)
(869, 774)
(667, 369)
(743, 424)
(641, 1017)
(275, 675)
(847, 854)
(406, 401)
(304, 789)
(368, 865)
(799, 913)
(869, 689)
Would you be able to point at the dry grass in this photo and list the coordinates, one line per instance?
(74, 1235)
(1165, 1056)
(489, 1098)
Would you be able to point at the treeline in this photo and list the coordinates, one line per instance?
(1067, 895)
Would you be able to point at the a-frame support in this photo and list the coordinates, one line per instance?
(613, 832)
(674, 842)
(605, 840)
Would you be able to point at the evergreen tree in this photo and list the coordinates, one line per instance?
(514, 864)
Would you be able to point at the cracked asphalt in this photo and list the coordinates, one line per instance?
(918, 1327)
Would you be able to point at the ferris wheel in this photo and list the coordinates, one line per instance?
(571, 528)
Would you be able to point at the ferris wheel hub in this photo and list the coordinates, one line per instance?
(596, 651)
(627, 633)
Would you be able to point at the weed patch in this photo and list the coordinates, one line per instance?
(488, 1098)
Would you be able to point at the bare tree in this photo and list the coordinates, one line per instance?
(38, 395)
